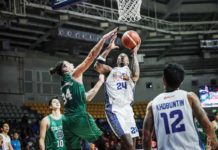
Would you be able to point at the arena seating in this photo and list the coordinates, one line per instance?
(96, 109)
(10, 111)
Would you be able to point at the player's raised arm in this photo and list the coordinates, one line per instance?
(135, 64)
(202, 118)
(148, 127)
(80, 69)
(100, 65)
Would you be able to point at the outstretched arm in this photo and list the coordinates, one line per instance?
(202, 118)
(91, 93)
(80, 69)
(135, 64)
(99, 66)
(148, 127)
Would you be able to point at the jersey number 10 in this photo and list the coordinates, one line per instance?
(176, 126)
(60, 143)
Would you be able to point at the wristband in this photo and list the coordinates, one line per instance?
(101, 60)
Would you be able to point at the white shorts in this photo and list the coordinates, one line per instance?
(121, 120)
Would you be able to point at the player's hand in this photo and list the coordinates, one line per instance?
(101, 77)
(111, 33)
(112, 44)
(135, 49)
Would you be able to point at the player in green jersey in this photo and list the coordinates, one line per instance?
(78, 124)
(51, 129)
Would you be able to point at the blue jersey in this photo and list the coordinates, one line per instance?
(16, 144)
(173, 120)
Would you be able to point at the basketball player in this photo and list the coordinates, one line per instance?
(51, 129)
(78, 123)
(120, 85)
(6, 145)
(170, 116)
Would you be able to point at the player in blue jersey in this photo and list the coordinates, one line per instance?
(170, 116)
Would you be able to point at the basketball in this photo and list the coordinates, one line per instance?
(130, 39)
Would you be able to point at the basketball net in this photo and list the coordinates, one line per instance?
(129, 10)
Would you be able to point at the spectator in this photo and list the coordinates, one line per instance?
(112, 145)
(118, 146)
(138, 144)
(15, 142)
(93, 147)
(107, 146)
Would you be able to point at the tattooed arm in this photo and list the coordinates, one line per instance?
(148, 127)
(135, 64)
(202, 118)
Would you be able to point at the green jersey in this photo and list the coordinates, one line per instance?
(73, 94)
(77, 123)
(54, 139)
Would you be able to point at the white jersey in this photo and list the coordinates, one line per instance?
(173, 120)
(6, 141)
(119, 86)
(119, 96)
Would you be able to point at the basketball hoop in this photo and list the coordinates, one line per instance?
(129, 10)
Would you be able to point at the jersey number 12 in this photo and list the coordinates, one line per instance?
(176, 126)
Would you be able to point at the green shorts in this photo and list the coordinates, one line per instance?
(79, 127)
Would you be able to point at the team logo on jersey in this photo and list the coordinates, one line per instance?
(166, 97)
(59, 134)
(123, 76)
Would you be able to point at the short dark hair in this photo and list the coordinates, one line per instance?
(57, 69)
(50, 100)
(216, 113)
(4, 122)
(174, 75)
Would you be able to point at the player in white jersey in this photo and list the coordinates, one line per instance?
(119, 88)
(170, 116)
(6, 145)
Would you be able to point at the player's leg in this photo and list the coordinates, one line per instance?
(131, 125)
(118, 125)
(127, 142)
(86, 128)
(72, 141)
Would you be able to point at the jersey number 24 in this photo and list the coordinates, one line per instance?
(121, 85)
